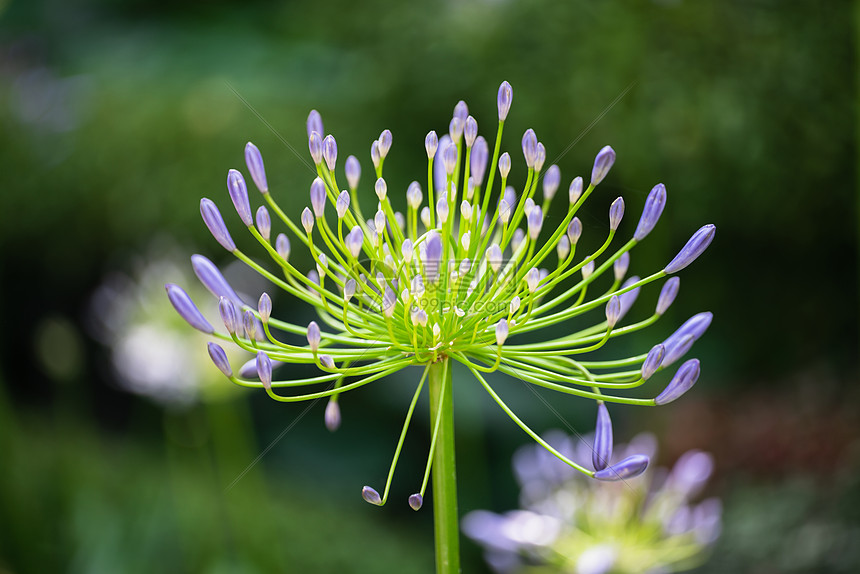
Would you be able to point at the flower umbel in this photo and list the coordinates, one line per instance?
(470, 266)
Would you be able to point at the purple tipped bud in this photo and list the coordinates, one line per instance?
(314, 123)
(219, 357)
(651, 212)
(416, 501)
(613, 311)
(502, 330)
(652, 361)
(685, 377)
(505, 165)
(342, 204)
(282, 246)
(379, 221)
(479, 158)
(616, 212)
(620, 266)
(628, 298)
(370, 495)
(349, 289)
(229, 315)
(461, 111)
(587, 270)
(504, 99)
(574, 230)
(318, 197)
(517, 239)
(381, 189)
(254, 161)
(455, 129)
(264, 307)
(314, 336)
(540, 156)
(327, 362)
(535, 220)
(431, 144)
(551, 181)
(354, 240)
(187, 309)
(494, 257)
(414, 195)
(532, 279)
(630, 467)
(389, 301)
(440, 177)
(679, 342)
(213, 220)
(315, 146)
(264, 369)
(433, 256)
(602, 164)
(528, 205)
(307, 220)
(563, 248)
(332, 415)
(442, 210)
(330, 152)
(449, 158)
(264, 222)
(694, 247)
(212, 279)
(374, 154)
(668, 294)
(575, 190)
(249, 369)
(250, 323)
(353, 172)
(602, 451)
(530, 147)
(384, 143)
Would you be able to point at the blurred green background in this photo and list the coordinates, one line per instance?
(117, 116)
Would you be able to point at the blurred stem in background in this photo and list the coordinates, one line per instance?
(444, 469)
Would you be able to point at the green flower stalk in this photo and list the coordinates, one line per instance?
(458, 279)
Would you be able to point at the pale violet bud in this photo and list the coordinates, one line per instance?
(501, 332)
(314, 123)
(322, 265)
(229, 315)
(371, 227)
(315, 146)
(505, 165)
(517, 238)
(465, 266)
(654, 205)
(219, 357)
(264, 307)
(213, 220)
(478, 162)
(528, 206)
(574, 230)
(630, 467)
(466, 210)
(668, 294)
(455, 129)
(540, 156)
(551, 181)
(419, 317)
(652, 361)
(621, 265)
(379, 222)
(628, 298)
(187, 309)
(384, 143)
(431, 144)
(575, 190)
(535, 219)
(504, 211)
(437, 331)
(342, 204)
(332, 415)
(442, 210)
(374, 154)
(613, 311)
(433, 259)
(330, 152)
(250, 324)
(470, 131)
(406, 250)
(425, 216)
(264, 369)
(461, 111)
(504, 99)
(254, 161)
(212, 279)
(494, 257)
(449, 159)
(679, 342)
(264, 222)
(307, 220)
(466, 241)
(440, 176)
(370, 495)
(587, 269)
(515, 305)
(349, 289)
(327, 361)
(602, 164)
(416, 501)
(685, 377)
(563, 248)
(381, 189)
(318, 197)
(353, 173)
(694, 247)
(530, 147)
(314, 336)
(532, 279)
(616, 212)
(602, 451)
(417, 287)
(414, 195)
(282, 246)
(354, 240)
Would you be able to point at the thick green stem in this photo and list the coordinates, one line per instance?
(444, 471)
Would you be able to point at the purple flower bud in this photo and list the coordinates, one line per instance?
(621, 265)
(332, 415)
(315, 146)
(330, 152)
(502, 331)
(575, 190)
(264, 369)
(455, 129)
(480, 156)
(213, 220)
(389, 301)
(314, 123)
(431, 144)
(551, 181)
(616, 212)
(349, 289)
(602, 164)
(219, 357)
(307, 220)
(374, 154)
(694, 247)
(314, 336)
(442, 210)
(264, 222)
(517, 238)
(354, 240)
(461, 111)
(504, 99)
(381, 188)
(528, 205)
(449, 158)
(652, 361)
(414, 195)
(371, 496)
(535, 220)
(254, 161)
(651, 212)
(602, 452)
(249, 369)
(416, 501)
(574, 230)
(668, 294)
(440, 176)
(563, 248)
(327, 362)
(228, 314)
(433, 256)
(494, 257)
(505, 165)
(613, 311)
(530, 147)
(685, 377)
(630, 467)
(342, 204)
(353, 172)
(379, 222)
(532, 279)
(187, 309)
(318, 197)
(212, 279)
(540, 156)
(250, 324)
(629, 298)
(677, 344)
(264, 307)
(384, 143)
(470, 131)
(282, 246)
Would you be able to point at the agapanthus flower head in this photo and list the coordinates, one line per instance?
(468, 274)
